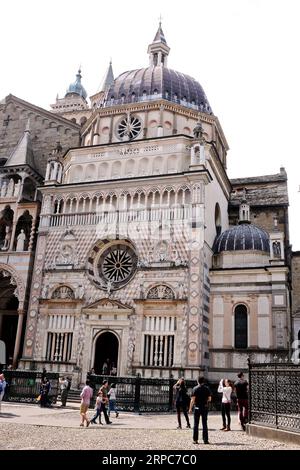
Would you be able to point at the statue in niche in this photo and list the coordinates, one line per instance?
(10, 187)
(80, 292)
(21, 239)
(17, 188)
(45, 292)
(7, 238)
(4, 188)
(180, 291)
(276, 249)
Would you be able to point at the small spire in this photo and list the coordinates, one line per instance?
(22, 154)
(108, 78)
(160, 37)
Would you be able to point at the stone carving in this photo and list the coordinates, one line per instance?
(141, 293)
(160, 292)
(180, 291)
(198, 131)
(17, 188)
(45, 292)
(7, 238)
(21, 239)
(80, 292)
(4, 188)
(63, 292)
(109, 287)
(276, 249)
(10, 187)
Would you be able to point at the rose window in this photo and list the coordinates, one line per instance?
(129, 127)
(117, 264)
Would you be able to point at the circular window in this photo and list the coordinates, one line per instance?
(129, 127)
(112, 264)
(117, 263)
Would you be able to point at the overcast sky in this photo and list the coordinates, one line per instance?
(245, 54)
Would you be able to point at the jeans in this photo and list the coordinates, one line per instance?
(112, 406)
(181, 406)
(226, 413)
(203, 412)
(98, 413)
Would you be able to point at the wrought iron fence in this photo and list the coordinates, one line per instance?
(24, 386)
(274, 395)
(145, 394)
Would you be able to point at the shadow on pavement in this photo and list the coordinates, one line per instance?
(8, 415)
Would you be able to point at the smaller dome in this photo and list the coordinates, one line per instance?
(77, 87)
(242, 237)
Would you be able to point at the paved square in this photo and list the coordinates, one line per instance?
(31, 427)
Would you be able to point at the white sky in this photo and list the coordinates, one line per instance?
(245, 54)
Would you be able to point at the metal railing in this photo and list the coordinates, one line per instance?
(24, 386)
(140, 394)
(274, 395)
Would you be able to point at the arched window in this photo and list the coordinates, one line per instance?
(240, 327)
(218, 222)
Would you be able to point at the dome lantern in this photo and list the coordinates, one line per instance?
(76, 87)
(158, 50)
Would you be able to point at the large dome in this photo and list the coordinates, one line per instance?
(243, 237)
(157, 82)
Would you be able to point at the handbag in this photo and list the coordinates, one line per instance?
(38, 398)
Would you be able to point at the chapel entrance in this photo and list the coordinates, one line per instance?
(106, 354)
(9, 305)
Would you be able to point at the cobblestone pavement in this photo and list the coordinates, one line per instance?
(30, 427)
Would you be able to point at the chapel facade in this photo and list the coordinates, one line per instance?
(148, 259)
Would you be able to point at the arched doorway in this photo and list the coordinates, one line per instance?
(106, 354)
(9, 305)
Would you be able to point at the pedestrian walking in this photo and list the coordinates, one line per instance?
(182, 401)
(241, 387)
(3, 384)
(44, 393)
(98, 410)
(225, 388)
(86, 395)
(112, 400)
(64, 390)
(104, 400)
(201, 396)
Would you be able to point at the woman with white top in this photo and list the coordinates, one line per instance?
(112, 400)
(226, 389)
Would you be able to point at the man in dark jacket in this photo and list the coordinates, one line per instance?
(201, 396)
(241, 387)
